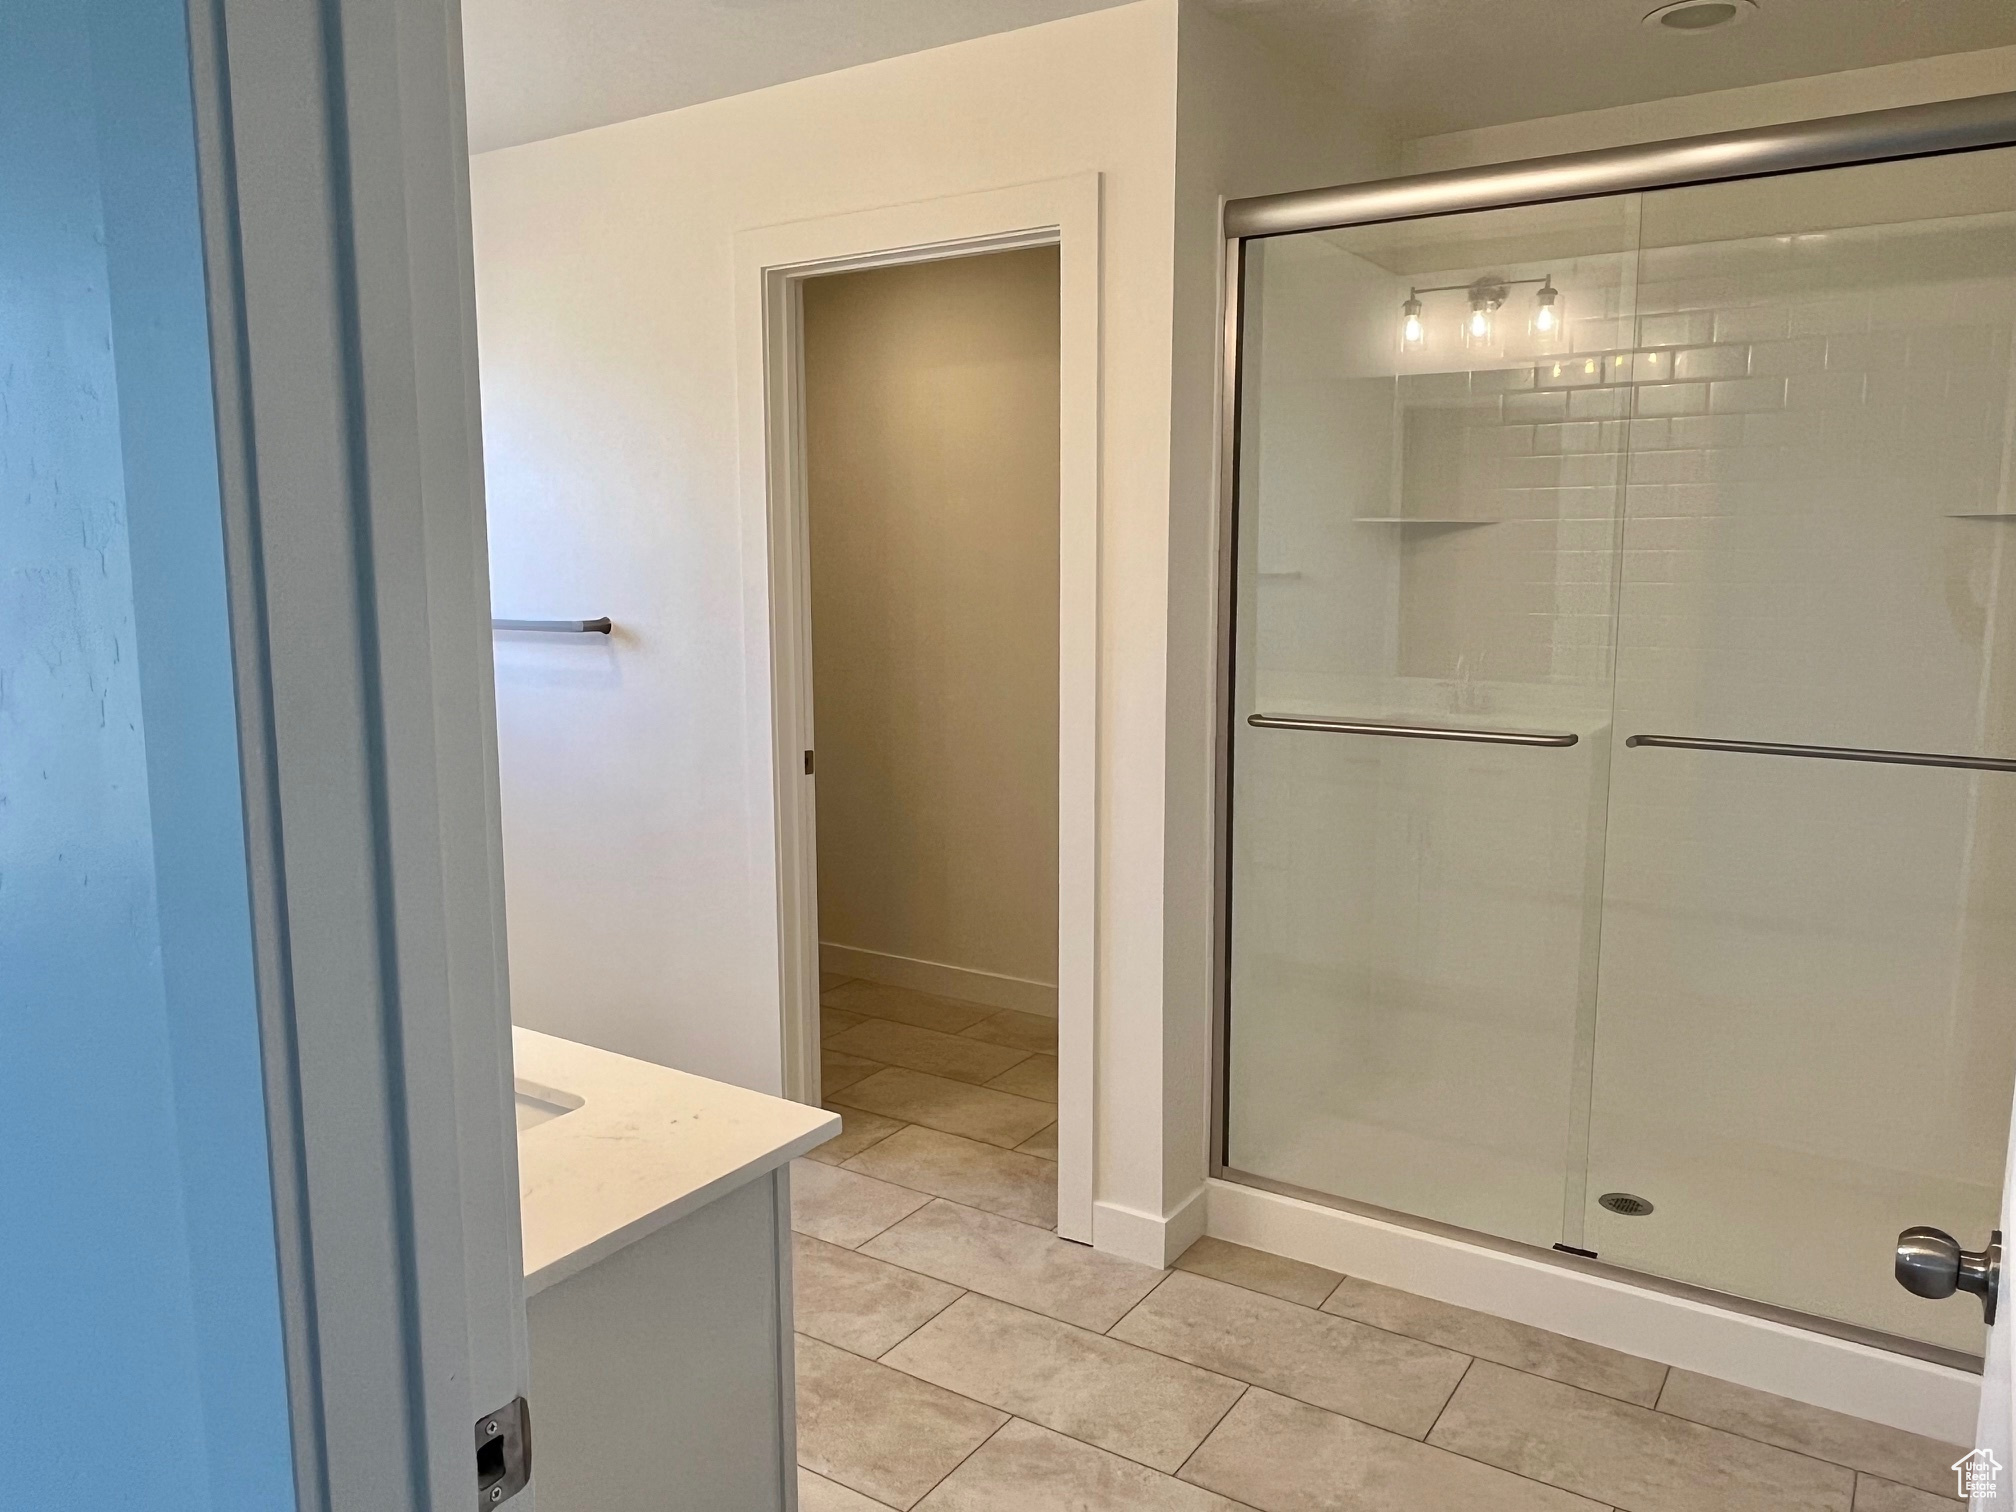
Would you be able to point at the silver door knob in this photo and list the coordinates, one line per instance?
(1930, 1263)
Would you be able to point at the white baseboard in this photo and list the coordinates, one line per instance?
(1145, 1238)
(935, 977)
(1857, 1379)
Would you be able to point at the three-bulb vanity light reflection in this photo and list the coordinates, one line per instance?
(1487, 297)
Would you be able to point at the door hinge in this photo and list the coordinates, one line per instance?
(503, 1452)
(808, 763)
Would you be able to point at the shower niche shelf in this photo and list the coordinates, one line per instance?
(1443, 520)
(1984, 514)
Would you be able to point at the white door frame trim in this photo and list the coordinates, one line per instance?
(771, 264)
(333, 171)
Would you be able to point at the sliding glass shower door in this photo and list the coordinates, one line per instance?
(1586, 553)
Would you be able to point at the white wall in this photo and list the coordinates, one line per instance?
(931, 463)
(637, 823)
(638, 830)
(1249, 121)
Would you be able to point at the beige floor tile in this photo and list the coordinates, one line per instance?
(1017, 1263)
(1627, 1456)
(828, 980)
(878, 1431)
(1256, 1270)
(1042, 1144)
(1534, 1350)
(858, 1130)
(999, 1118)
(1284, 1456)
(929, 1050)
(1888, 1453)
(902, 1006)
(1875, 1495)
(837, 1069)
(845, 1207)
(834, 1021)
(979, 1175)
(1035, 1076)
(1025, 1031)
(1024, 1468)
(864, 1306)
(1102, 1392)
(818, 1494)
(1365, 1373)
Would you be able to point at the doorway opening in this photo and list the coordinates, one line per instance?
(930, 430)
(921, 477)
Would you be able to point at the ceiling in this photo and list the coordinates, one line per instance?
(540, 68)
(1430, 66)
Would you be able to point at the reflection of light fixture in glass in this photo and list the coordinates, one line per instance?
(1411, 330)
(1547, 318)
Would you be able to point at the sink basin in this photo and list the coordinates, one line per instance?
(538, 1105)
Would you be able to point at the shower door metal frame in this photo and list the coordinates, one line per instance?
(1978, 123)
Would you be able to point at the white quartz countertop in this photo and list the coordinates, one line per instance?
(643, 1146)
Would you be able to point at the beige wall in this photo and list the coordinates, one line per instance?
(931, 396)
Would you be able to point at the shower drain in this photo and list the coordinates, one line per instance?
(1624, 1203)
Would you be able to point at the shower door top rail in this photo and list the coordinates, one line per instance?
(1480, 735)
(1968, 125)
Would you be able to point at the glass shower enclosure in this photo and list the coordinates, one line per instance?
(1620, 815)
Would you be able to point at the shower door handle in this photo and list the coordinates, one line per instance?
(1930, 1263)
(1324, 724)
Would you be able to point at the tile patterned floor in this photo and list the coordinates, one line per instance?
(956, 1356)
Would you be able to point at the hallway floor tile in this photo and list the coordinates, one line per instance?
(1380, 1378)
(1628, 1456)
(955, 1107)
(1533, 1350)
(1018, 1263)
(984, 1176)
(1145, 1406)
(1035, 1470)
(955, 1355)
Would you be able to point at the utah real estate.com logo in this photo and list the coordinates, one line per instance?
(1975, 1474)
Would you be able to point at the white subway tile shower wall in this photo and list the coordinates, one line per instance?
(1796, 950)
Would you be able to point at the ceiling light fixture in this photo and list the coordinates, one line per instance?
(1486, 296)
(1700, 15)
(1545, 316)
